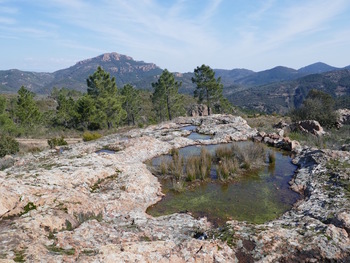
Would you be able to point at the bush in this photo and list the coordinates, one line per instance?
(8, 145)
(91, 136)
(317, 106)
(56, 142)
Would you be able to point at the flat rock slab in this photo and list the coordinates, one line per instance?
(83, 206)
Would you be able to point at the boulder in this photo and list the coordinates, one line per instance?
(198, 110)
(343, 117)
(345, 147)
(280, 125)
(308, 126)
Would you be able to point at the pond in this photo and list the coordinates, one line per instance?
(258, 196)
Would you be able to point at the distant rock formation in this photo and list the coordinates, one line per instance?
(308, 126)
(343, 117)
(197, 110)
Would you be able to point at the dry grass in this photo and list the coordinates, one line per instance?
(192, 168)
(265, 122)
(226, 168)
(228, 160)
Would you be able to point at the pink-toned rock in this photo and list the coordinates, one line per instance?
(308, 126)
(8, 201)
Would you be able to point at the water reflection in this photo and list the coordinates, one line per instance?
(257, 197)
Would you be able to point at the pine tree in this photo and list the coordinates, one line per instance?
(27, 112)
(6, 124)
(66, 113)
(166, 98)
(132, 103)
(208, 88)
(85, 110)
(103, 90)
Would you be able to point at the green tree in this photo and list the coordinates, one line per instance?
(208, 88)
(26, 111)
(85, 111)
(65, 111)
(318, 106)
(132, 103)
(166, 98)
(6, 124)
(103, 90)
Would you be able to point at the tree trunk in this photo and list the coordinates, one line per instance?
(208, 102)
(168, 107)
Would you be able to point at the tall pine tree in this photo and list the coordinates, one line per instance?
(132, 103)
(166, 98)
(103, 90)
(209, 89)
(26, 111)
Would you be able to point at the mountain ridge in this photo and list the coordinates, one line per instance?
(273, 90)
(141, 74)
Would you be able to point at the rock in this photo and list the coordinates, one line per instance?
(308, 126)
(88, 207)
(8, 200)
(225, 128)
(345, 147)
(343, 117)
(198, 110)
(280, 125)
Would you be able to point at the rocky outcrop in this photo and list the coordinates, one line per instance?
(277, 140)
(198, 110)
(343, 117)
(83, 206)
(308, 126)
(316, 229)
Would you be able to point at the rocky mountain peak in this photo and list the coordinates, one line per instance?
(114, 56)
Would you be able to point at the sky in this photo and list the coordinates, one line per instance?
(179, 35)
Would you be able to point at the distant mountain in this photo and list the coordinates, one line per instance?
(273, 90)
(318, 67)
(280, 97)
(231, 76)
(269, 76)
(11, 81)
(123, 68)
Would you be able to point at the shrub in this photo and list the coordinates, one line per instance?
(56, 142)
(318, 106)
(91, 136)
(8, 145)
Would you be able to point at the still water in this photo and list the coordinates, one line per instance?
(256, 197)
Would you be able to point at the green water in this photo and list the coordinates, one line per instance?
(257, 197)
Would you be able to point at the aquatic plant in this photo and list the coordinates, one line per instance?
(226, 168)
(228, 160)
(192, 168)
(205, 163)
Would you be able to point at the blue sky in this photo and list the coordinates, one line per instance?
(48, 35)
